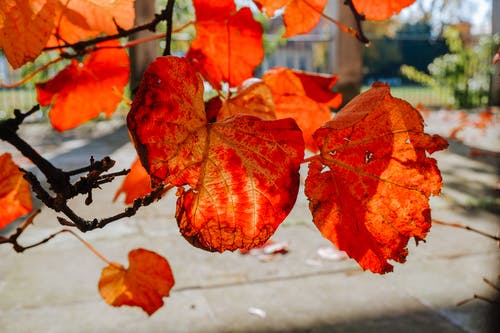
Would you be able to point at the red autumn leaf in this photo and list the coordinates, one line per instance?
(212, 108)
(136, 184)
(81, 19)
(485, 119)
(300, 16)
(83, 90)
(25, 27)
(228, 43)
(369, 188)
(15, 195)
(379, 10)
(303, 96)
(239, 194)
(254, 99)
(144, 283)
(319, 88)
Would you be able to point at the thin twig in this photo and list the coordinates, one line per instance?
(359, 34)
(358, 18)
(483, 298)
(31, 74)
(79, 46)
(13, 239)
(466, 227)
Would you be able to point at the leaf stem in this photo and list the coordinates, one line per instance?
(466, 227)
(31, 75)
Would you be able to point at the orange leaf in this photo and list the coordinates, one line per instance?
(228, 43)
(144, 283)
(242, 193)
(254, 99)
(300, 17)
(379, 10)
(25, 27)
(81, 19)
(15, 195)
(136, 184)
(303, 96)
(239, 193)
(84, 89)
(167, 121)
(369, 188)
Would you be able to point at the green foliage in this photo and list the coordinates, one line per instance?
(465, 70)
(412, 44)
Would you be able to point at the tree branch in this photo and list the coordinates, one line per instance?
(360, 35)
(80, 46)
(60, 183)
(169, 10)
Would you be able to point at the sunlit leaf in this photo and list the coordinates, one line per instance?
(25, 27)
(228, 44)
(81, 19)
(369, 188)
(84, 90)
(303, 96)
(378, 10)
(247, 185)
(15, 195)
(144, 283)
(300, 16)
(238, 193)
(254, 99)
(136, 184)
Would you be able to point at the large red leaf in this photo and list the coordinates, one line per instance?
(83, 90)
(228, 43)
(370, 186)
(247, 186)
(15, 195)
(167, 121)
(380, 9)
(303, 96)
(136, 184)
(239, 193)
(300, 16)
(144, 283)
(25, 27)
(81, 19)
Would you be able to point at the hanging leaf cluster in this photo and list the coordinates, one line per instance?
(234, 159)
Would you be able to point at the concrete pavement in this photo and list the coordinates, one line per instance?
(53, 288)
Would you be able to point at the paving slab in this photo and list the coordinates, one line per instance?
(53, 288)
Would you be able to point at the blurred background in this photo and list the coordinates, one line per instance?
(435, 53)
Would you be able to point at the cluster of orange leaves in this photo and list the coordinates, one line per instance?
(234, 159)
